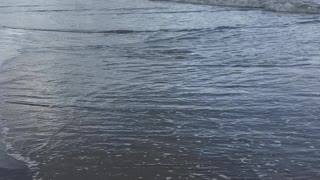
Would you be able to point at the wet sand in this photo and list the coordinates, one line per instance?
(12, 169)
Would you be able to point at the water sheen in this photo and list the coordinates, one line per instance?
(137, 89)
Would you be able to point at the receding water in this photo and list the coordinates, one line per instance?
(138, 89)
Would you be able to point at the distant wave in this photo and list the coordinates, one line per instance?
(117, 31)
(1, 62)
(295, 6)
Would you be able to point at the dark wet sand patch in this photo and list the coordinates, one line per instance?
(12, 169)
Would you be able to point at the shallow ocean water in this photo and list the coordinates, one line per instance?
(141, 89)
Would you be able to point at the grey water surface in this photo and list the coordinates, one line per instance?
(138, 89)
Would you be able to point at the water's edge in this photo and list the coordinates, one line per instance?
(11, 168)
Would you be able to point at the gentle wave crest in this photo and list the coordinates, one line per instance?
(117, 31)
(295, 6)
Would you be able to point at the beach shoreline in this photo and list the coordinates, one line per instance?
(12, 169)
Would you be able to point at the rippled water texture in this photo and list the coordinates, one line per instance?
(137, 89)
(293, 6)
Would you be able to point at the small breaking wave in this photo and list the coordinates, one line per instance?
(294, 6)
